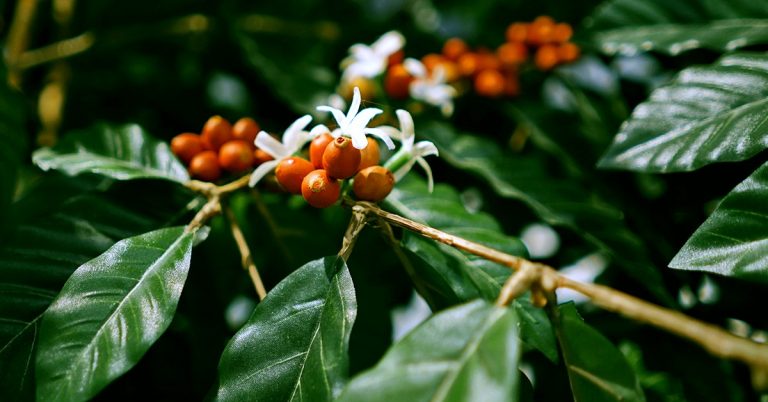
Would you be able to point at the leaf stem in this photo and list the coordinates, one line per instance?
(245, 252)
(546, 280)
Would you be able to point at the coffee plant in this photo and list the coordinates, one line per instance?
(377, 201)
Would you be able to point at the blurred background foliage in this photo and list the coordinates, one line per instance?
(169, 65)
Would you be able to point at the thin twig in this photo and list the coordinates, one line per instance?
(716, 340)
(18, 37)
(355, 227)
(518, 283)
(245, 252)
(208, 211)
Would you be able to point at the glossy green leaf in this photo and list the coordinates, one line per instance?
(294, 346)
(467, 353)
(673, 39)
(556, 201)
(110, 311)
(597, 370)
(120, 152)
(708, 114)
(61, 223)
(733, 241)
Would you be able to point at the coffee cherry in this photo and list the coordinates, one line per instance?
(546, 57)
(236, 156)
(291, 171)
(317, 148)
(369, 155)
(216, 132)
(260, 156)
(467, 64)
(205, 166)
(397, 82)
(541, 31)
(319, 189)
(341, 159)
(454, 48)
(246, 129)
(562, 32)
(568, 52)
(512, 54)
(517, 32)
(489, 83)
(373, 183)
(186, 146)
(395, 58)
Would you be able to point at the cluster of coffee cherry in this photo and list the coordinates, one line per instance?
(332, 160)
(492, 74)
(220, 147)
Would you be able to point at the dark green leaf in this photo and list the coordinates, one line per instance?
(467, 353)
(708, 114)
(110, 311)
(733, 241)
(120, 152)
(61, 224)
(673, 39)
(294, 346)
(558, 202)
(597, 370)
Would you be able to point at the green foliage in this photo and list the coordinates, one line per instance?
(467, 353)
(122, 153)
(14, 142)
(707, 114)
(294, 346)
(597, 370)
(733, 241)
(110, 311)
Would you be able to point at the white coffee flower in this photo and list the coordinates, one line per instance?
(370, 61)
(430, 88)
(294, 139)
(354, 124)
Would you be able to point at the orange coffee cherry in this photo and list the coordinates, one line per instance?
(432, 61)
(397, 82)
(291, 171)
(319, 189)
(236, 156)
(517, 32)
(259, 157)
(467, 64)
(246, 129)
(186, 146)
(317, 148)
(373, 183)
(369, 155)
(562, 32)
(216, 132)
(568, 52)
(489, 83)
(512, 53)
(341, 159)
(546, 57)
(454, 48)
(395, 58)
(205, 166)
(487, 61)
(541, 30)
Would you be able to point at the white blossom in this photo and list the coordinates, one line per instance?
(370, 61)
(294, 139)
(354, 124)
(416, 150)
(430, 88)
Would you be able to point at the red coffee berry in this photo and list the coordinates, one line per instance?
(186, 146)
(246, 129)
(489, 83)
(236, 156)
(319, 189)
(517, 32)
(369, 155)
(205, 166)
(291, 171)
(216, 132)
(546, 57)
(373, 183)
(512, 53)
(341, 159)
(397, 82)
(317, 148)
(568, 52)
(454, 48)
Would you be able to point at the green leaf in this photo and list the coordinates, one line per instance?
(61, 223)
(558, 202)
(733, 241)
(467, 353)
(294, 346)
(120, 152)
(110, 311)
(673, 39)
(597, 370)
(708, 114)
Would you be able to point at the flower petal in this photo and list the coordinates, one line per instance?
(319, 129)
(406, 128)
(355, 106)
(262, 171)
(378, 132)
(415, 68)
(403, 170)
(358, 140)
(425, 148)
(338, 115)
(270, 145)
(391, 132)
(295, 137)
(361, 120)
(388, 43)
(430, 181)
